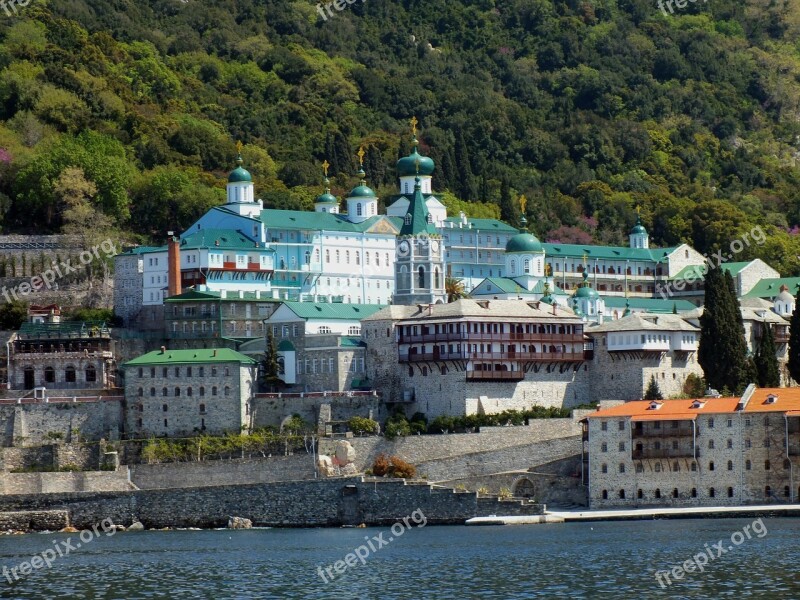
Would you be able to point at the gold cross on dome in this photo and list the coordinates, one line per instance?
(361, 154)
(585, 258)
(325, 166)
(638, 210)
(239, 146)
(548, 270)
(523, 202)
(414, 125)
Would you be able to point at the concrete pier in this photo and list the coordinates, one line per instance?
(694, 512)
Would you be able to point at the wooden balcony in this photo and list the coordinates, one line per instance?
(507, 337)
(664, 432)
(495, 375)
(497, 356)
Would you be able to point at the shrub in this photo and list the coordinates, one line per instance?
(397, 426)
(363, 426)
(393, 467)
(381, 466)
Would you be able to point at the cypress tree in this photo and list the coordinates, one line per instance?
(653, 392)
(508, 212)
(794, 341)
(270, 374)
(765, 361)
(723, 351)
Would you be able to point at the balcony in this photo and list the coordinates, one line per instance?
(666, 432)
(780, 334)
(645, 453)
(512, 356)
(507, 337)
(495, 375)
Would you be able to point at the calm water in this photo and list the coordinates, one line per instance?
(578, 560)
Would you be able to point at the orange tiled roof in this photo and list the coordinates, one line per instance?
(788, 400)
(670, 409)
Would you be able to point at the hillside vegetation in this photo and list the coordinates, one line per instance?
(124, 115)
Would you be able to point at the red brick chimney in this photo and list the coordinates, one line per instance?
(173, 265)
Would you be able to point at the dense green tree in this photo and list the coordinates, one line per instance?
(723, 352)
(766, 360)
(794, 342)
(13, 314)
(653, 391)
(270, 365)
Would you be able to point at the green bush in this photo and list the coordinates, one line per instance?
(363, 426)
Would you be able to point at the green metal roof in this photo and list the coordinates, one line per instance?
(509, 286)
(351, 342)
(226, 239)
(319, 221)
(419, 221)
(415, 163)
(699, 271)
(349, 312)
(654, 305)
(188, 357)
(482, 225)
(194, 296)
(144, 250)
(771, 287)
(64, 330)
(524, 242)
(286, 346)
(553, 250)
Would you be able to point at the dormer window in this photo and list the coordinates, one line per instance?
(772, 399)
(654, 405)
(408, 219)
(698, 404)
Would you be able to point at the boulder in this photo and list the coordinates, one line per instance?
(345, 453)
(239, 523)
(136, 526)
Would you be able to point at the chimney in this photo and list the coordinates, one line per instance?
(214, 354)
(173, 265)
(163, 349)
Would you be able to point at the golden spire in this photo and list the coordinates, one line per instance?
(585, 258)
(239, 147)
(523, 202)
(360, 155)
(548, 270)
(414, 123)
(325, 166)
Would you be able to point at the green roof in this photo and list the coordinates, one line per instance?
(699, 271)
(482, 225)
(351, 342)
(419, 221)
(239, 174)
(319, 221)
(286, 346)
(361, 191)
(349, 312)
(144, 250)
(188, 357)
(415, 163)
(194, 296)
(554, 250)
(509, 286)
(771, 287)
(220, 238)
(64, 330)
(653, 305)
(524, 242)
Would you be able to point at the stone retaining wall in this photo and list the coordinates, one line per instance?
(324, 503)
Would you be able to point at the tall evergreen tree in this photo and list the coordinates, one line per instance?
(270, 368)
(766, 363)
(794, 341)
(508, 211)
(723, 352)
(653, 391)
(374, 166)
(339, 154)
(466, 189)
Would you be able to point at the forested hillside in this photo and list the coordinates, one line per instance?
(125, 114)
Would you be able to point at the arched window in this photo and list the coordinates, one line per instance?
(730, 465)
(408, 220)
(730, 492)
(436, 278)
(526, 266)
(164, 407)
(177, 392)
(605, 494)
(421, 277)
(91, 374)
(69, 374)
(140, 392)
(49, 375)
(513, 267)
(308, 257)
(214, 390)
(640, 494)
(711, 465)
(188, 391)
(164, 392)
(202, 390)
(658, 493)
(766, 465)
(358, 209)
(675, 493)
(622, 494)
(202, 409)
(227, 391)
(152, 392)
(604, 468)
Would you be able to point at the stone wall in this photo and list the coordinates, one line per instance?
(332, 502)
(48, 483)
(223, 472)
(269, 410)
(34, 424)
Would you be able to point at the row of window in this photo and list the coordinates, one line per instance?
(165, 408)
(338, 254)
(189, 392)
(314, 366)
(712, 493)
(183, 371)
(70, 374)
(748, 465)
(656, 445)
(675, 424)
(166, 424)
